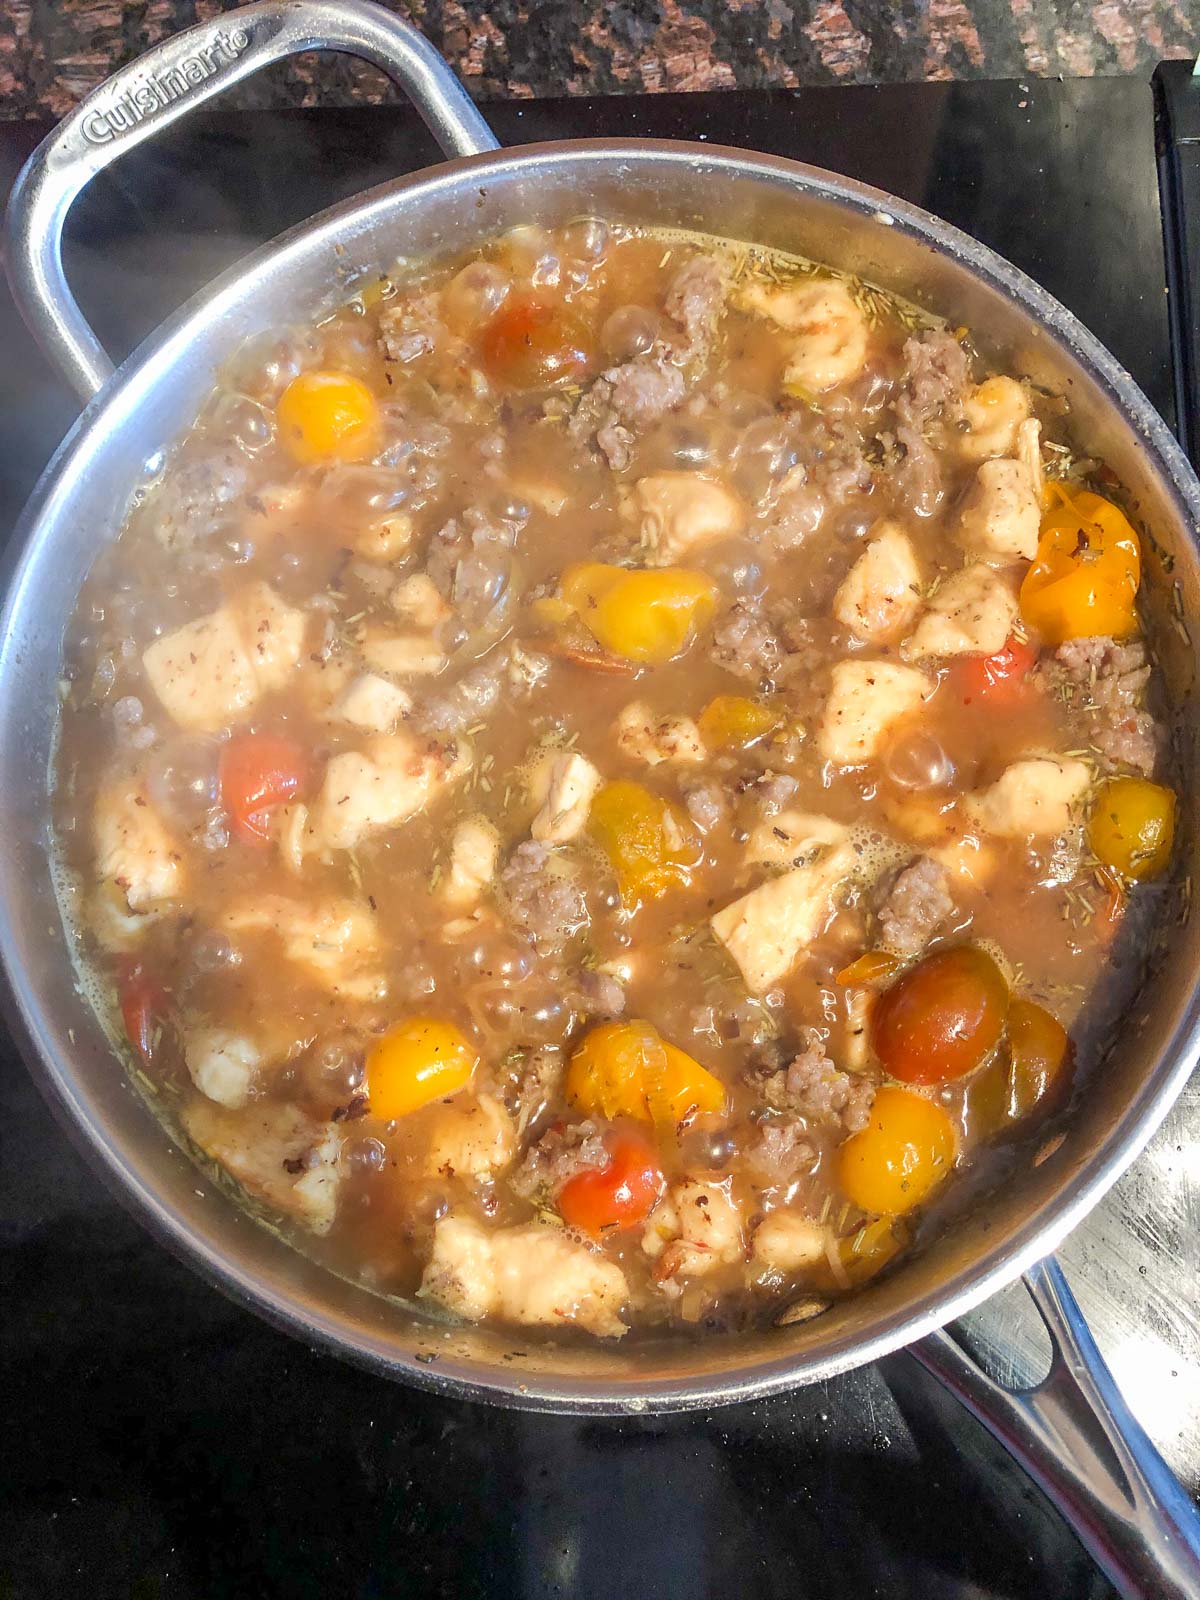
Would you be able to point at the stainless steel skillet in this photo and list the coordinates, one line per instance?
(1077, 1439)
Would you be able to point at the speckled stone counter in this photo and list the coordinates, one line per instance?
(52, 52)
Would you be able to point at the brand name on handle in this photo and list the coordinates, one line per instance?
(157, 90)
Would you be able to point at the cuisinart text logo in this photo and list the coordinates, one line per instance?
(160, 89)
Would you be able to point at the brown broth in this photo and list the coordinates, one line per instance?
(451, 445)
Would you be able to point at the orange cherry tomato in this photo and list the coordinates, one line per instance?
(904, 1152)
(535, 344)
(1040, 1048)
(626, 1069)
(419, 1060)
(651, 843)
(943, 1018)
(1000, 679)
(143, 1004)
(1039, 1051)
(644, 615)
(869, 967)
(617, 1196)
(257, 772)
(328, 416)
(1084, 578)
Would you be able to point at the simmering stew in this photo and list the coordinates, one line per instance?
(600, 780)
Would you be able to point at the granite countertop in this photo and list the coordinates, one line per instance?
(52, 54)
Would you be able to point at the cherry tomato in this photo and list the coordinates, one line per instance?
(328, 416)
(258, 771)
(642, 615)
(419, 1060)
(534, 344)
(619, 1195)
(1038, 1052)
(905, 1151)
(1084, 579)
(943, 1018)
(1132, 827)
(1000, 679)
(626, 1069)
(650, 842)
(860, 1255)
(1040, 1048)
(734, 722)
(869, 967)
(143, 1009)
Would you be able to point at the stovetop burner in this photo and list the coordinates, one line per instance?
(159, 1441)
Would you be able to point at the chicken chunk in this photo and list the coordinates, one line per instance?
(385, 540)
(967, 858)
(419, 601)
(394, 778)
(829, 346)
(972, 613)
(645, 737)
(866, 701)
(787, 1241)
(1034, 798)
(1000, 518)
(276, 509)
(767, 930)
(134, 848)
(401, 655)
(114, 927)
(533, 1275)
(993, 412)
(881, 594)
(470, 1138)
(211, 671)
(682, 511)
(474, 854)
(373, 704)
(548, 494)
(222, 1065)
(785, 840)
(282, 1157)
(1029, 454)
(335, 942)
(566, 786)
(945, 836)
(706, 1229)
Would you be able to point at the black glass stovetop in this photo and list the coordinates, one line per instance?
(157, 1441)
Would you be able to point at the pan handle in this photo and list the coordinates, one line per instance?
(1082, 1446)
(164, 85)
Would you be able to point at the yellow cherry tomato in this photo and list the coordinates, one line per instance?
(650, 842)
(626, 1069)
(1084, 578)
(1132, 827)
(859, 1255)
(419, 1060)
(903, 1153)
(685, 1088)
(643, 615)
(734, 722)
(328, 416)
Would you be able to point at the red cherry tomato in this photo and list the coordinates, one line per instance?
(943, 1018)
(1000, 678)
(143, 1009)
(617, 1196)
(257, 772)
(535, 344)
